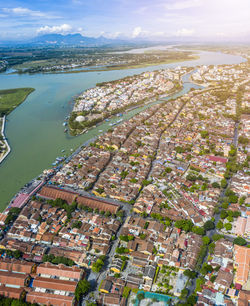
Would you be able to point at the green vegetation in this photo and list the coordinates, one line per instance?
(16, 254)
(216, 237)
(64, 205)
(199, 283)
(126, 238)
(122, 250)
(126, 292)
(185, 225)
(209, 225)
(240, 241)
(97, 266)
(140, 296)
(13, 302)
(82, 288)
(190, 274)
(11, 98)
(12, 215)
(58, 259)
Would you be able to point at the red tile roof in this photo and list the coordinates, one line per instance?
(49, 299)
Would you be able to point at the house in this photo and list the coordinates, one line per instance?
(44, 298)
(149, 272)
(12, 292)
(11, 279)
(223, 280)
(116, 265)
(242, 264)
(106, 286)
(61, 271)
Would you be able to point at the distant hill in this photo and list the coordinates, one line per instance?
(73, 39)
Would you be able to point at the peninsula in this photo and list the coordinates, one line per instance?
(109, 98)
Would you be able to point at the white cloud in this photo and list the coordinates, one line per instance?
(61, 29)
(22, 11)
(184, 32)
(136, 32)
(183, 4)
(111, 35)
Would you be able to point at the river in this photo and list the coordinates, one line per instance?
(35, 131)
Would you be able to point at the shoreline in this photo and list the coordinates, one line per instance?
(177, 88)
(8, 112)
(5, 141)
(110, 68)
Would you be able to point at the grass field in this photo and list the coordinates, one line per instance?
(11, 98)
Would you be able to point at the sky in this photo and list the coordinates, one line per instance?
(211, 20)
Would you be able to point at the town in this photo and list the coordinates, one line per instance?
(107, 99)
(155, 210)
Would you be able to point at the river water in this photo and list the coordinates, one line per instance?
(35, 131)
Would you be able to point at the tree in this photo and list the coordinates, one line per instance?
(242, 200)
(122, 250)
(240, 241)
(140, 296)
(228, 226)
(97, 266)
(191, 300)
(198, 230)
(219, 225)
(209, 225)
(184, 293)
(82, 288)
(223, 183)
(215, 185)
(223, 214)
(216, 237)
(17, 254)
(190, 274)
(206, 240)
(206, 268)
(186, 225)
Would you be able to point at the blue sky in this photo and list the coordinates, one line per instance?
(158, 19)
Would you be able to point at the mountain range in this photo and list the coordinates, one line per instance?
(67, 40)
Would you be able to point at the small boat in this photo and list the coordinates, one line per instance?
(100, 131)
(65, 123)
(62, 150)
(66, 130)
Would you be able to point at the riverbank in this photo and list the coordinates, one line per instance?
(195, 57)
(115, 97)
(127, 61)
(9, 100)
(4, 141)
(12, 98)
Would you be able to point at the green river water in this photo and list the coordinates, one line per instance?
(35, 131)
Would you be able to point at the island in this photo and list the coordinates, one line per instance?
(9, 100)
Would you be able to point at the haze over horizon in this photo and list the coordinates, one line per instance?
(223, 20)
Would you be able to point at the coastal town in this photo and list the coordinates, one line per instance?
(155, 211)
